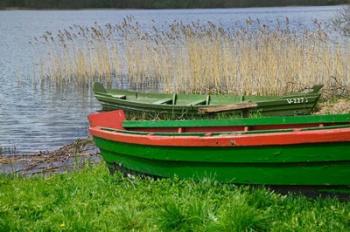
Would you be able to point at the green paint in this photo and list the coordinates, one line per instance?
(263, 121)
(307, 164)
(224, 133)
(189, 104)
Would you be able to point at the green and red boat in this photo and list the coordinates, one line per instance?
(309, 150)
(204, 105)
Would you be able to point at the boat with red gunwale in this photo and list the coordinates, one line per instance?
(309, 150)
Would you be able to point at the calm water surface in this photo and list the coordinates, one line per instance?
(32, 119)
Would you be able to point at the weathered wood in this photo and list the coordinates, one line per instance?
(163, 101)
(174, 99)
(119, 96)
(199, 102)
(260, 121)
(216, 109)
(183, 105)
(207, 100)
(280, 154)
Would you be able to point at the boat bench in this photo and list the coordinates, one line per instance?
(164, 101)
(168, 100)
(318, 120)
(118, 96)
(200, 102)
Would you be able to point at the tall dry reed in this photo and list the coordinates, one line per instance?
(249, 58)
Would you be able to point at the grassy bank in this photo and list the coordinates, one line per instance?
(92, 200)
(201, 57)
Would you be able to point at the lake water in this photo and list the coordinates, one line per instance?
(33, 120)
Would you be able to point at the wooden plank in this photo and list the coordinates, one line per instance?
(118, 96)
(314, 119)
(199, 102)
(207, 100)
(223, 108)
(174, 98)
(297, 103)
(317, 135)
(163, 101)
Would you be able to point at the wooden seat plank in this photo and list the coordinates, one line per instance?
(199, 102)
(164, 101)
(119, 96)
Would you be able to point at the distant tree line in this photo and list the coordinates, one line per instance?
(157, 4)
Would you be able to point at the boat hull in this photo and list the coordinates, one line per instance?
(192, 105)
(272, 108)
(321, 164)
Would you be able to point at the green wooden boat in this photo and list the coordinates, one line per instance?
(309, 150)
(196, 105)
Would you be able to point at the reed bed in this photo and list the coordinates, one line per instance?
(246, 58)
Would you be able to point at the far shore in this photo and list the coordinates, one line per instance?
(121, 9)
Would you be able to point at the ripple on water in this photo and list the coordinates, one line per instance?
(33, 120)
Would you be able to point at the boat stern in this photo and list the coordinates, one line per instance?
(112, 119)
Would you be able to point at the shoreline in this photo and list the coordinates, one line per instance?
(70, 157)
(83, 152)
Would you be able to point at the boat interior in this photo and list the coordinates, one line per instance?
(190, 99)
(239, 125)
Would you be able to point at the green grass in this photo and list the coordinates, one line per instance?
(93, 200)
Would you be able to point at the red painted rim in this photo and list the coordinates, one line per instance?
(287, 138)
(114, 119)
